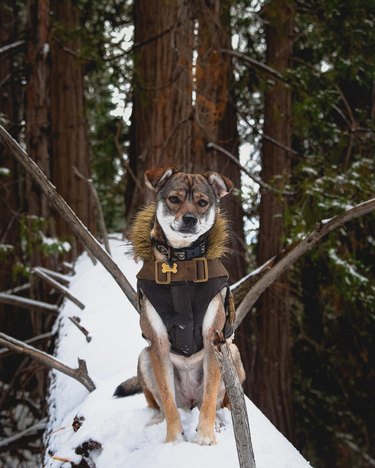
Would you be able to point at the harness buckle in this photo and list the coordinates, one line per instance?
(164, 270)
(201, 270)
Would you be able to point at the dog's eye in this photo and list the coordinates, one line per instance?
(202, 202)
(174, 200)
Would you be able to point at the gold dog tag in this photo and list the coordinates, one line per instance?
(165, 268)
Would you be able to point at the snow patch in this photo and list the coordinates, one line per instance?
(121, 426)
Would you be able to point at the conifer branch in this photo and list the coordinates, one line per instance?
(289, 256)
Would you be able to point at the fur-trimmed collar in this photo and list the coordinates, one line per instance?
(139, 235)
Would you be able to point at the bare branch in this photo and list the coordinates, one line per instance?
(238, 412)
(64, 279)
(98, 205)
(10, 47)
(35, 429)
(76, 225)
(75, 321)
(17, 289)
(80, 374)
(27, 303)
(248, 173)
(289, 256)
(255, 63)
(34, 339)
(40, 274)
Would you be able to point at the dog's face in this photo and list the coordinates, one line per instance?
(186, 203)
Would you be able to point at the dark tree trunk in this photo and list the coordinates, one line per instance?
(70, 144)
(267, 356)
(168, 127)
(216, 120)
(12, 320)
(161, 121)
(37, 101)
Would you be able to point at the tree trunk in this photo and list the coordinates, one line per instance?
(216, 120)
(267, 357)
(70, 145)
(161, 120)
(12, 320)
(37, 101)
(178, 109)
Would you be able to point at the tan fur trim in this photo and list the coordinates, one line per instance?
(139, 235)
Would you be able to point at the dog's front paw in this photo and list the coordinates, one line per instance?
(205, 437)
(174, 433)
(178, 437)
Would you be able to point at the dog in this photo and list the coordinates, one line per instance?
(184, 299)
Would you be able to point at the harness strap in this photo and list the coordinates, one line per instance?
(197, 270)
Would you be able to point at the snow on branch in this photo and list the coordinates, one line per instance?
(76, 225)
(80, 374)
(289, 256)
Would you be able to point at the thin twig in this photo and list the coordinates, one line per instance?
(27, 303)
(64, 279)
(255, 63)
(80, 374)
(248, 173)
(34, 339)
(75, 321)
(10, 47)
(289, 256)
(17, 289)
(55, 284)
(38, 427)
(98, 205)
(79, 229)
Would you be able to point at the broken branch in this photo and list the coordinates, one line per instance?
(75, 321)
(27, 303)
(239, 415)
(80, 374)
(289, 256)
(35, 429)
(98, 205)
(34, 339)
(44, 276)
(76, 225)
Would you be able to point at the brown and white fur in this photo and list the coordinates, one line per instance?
(186, 208)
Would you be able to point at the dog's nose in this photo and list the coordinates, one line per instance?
(189, 220)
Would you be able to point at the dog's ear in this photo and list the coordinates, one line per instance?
(220, 184)
(156, 177)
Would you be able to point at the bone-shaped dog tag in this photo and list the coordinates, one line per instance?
(165, 268)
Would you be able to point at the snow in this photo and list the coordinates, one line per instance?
(122, 426)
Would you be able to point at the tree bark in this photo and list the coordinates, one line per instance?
(267, 358)
(37, 102)
(161, 120)
(216, 120)
(70, 145)
(179, 108)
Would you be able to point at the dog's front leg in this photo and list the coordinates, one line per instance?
(162, 368)
(214, 320)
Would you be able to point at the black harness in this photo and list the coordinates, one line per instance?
(182, 305)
